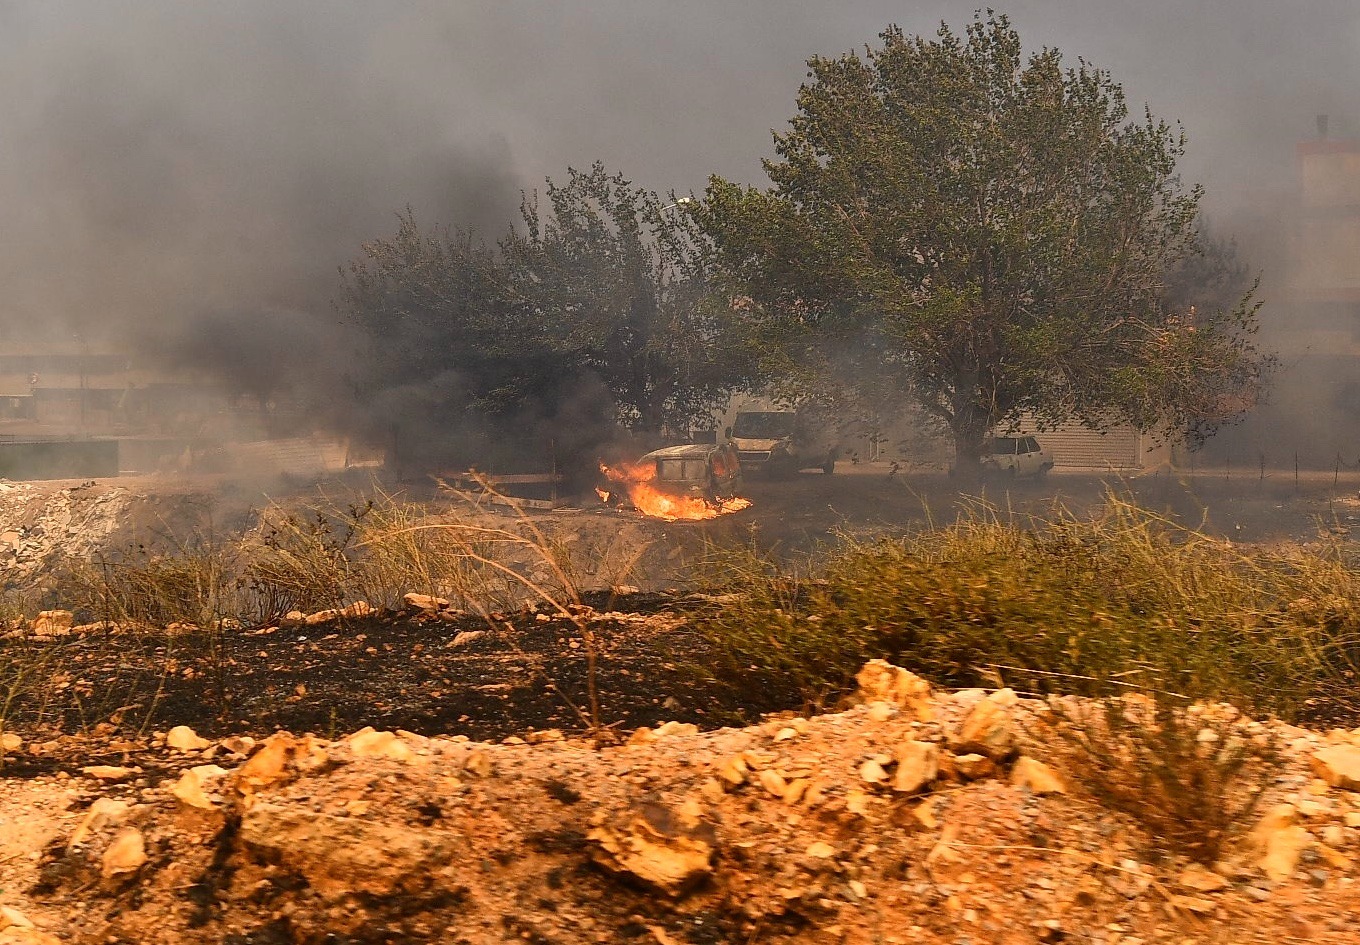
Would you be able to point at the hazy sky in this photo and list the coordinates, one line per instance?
(161, 158)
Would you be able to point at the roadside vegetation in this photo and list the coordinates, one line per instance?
(1117, 601)
(1123, 600)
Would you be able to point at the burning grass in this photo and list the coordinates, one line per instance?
(1125, 598)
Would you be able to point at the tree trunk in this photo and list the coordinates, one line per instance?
(970, 426)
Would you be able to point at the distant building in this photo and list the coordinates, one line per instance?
(1312, 322)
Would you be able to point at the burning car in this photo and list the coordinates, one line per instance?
(696, 481)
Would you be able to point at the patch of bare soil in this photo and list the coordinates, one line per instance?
(913, 817)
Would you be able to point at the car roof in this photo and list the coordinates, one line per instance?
(687, 451)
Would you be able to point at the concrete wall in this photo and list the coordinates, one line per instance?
(58, 458)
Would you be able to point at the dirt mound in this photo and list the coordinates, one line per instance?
(43, 524)
(911, 817)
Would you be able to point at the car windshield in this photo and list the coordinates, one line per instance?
(766, 425)
(1004, 446)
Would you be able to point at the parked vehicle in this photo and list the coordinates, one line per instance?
(778, 441)
(1016, 456)
(709, 470)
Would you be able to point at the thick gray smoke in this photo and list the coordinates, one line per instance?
(164, 162)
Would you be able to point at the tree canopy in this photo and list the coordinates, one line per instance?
(593, 312)
(986, 232)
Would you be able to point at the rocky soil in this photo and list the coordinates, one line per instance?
(910, 816)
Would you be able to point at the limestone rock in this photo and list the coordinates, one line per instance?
(796, 790)
(340, 855)
(1200, 879)
(268, 766)
(108, 772)
(881, 681)
(733, 771)
(1277, 842)
(125, 854)
(773, 782)
(105, 811)
(1035, 776)
(10, 742)
(479, 764)
(183, 738)
(367, 743)
(989, 729)
(238, 744)
(53, 622)
(918, 764)
(13, 919)
(15, 935)
(424, 602)
(672, 729)
(1338, 765)
(974, 767)
(190, 786)
(358, 610)
(669, 849)
(872, 772)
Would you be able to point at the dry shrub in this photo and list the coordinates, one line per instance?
(1055, 605)
(481, 561)
(1189, 776)
(154, 590)
(487, 563)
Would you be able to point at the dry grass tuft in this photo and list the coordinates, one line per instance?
(1190, 777)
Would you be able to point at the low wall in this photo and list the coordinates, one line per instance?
(37, 458)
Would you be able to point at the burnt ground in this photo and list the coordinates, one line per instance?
(427, 675)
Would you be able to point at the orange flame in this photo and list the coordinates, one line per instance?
(636, 479)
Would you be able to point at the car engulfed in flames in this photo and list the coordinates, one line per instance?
(691, 483)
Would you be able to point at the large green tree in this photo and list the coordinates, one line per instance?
(986, 232)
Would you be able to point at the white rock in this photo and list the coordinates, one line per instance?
(881, 681)
(190, 786)
(1036, 777)
(13, 919)
(367, 743)
(1338, 765)
(125, 854)
(918, 764)
(988, 729)
(183, 738)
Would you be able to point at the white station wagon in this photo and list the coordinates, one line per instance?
(1016, 456)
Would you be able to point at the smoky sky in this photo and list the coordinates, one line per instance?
(163, 159)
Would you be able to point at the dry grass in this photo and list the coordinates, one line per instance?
(1190, 777)
(1059, 605)
(319, 558)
